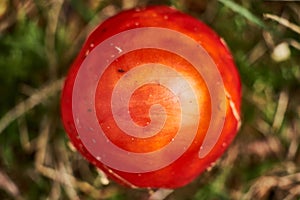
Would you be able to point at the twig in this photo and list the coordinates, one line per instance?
(35, 99)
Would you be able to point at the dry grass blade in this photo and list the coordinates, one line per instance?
(283, 22)
(23, 8)
(294, 192)
(9, 186)
(106, 12)
(292, 135)
(268, 147)
(262, 188)
(57, 176)
(257, 52)
(62, 174)
(35, 99)
(281, 109)
(160, 194)
(129, 4)
(24, 135)
(294, 44)
(64, 166)
(53, 18)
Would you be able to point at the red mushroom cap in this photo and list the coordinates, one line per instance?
(153, 98)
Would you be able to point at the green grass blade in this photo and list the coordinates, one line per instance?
(243, 12)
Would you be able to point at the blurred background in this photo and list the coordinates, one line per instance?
(39, 40)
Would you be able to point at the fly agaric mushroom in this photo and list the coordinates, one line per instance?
(153, 98)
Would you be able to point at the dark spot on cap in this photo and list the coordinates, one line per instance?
(121, 70)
